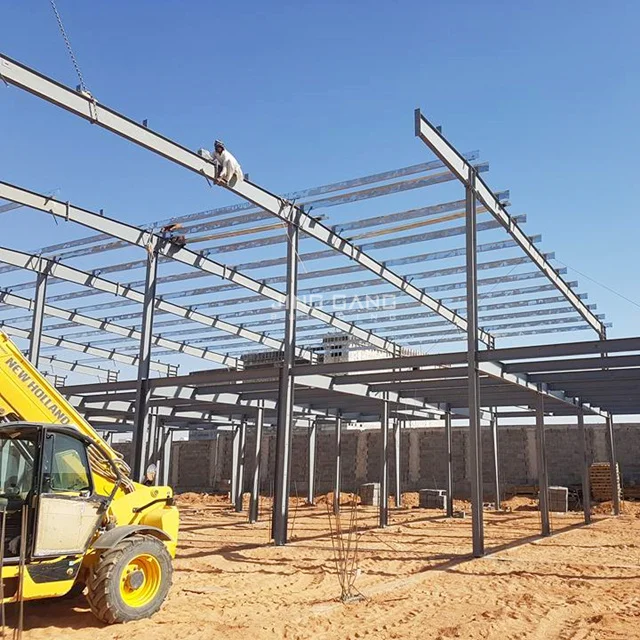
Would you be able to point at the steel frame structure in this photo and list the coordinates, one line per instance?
(474, 384)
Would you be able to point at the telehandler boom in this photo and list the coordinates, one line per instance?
(74, 520)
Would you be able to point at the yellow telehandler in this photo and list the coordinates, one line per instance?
(73, 520)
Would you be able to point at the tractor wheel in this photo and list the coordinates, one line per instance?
(130, 581)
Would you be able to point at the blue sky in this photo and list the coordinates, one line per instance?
(310, 92)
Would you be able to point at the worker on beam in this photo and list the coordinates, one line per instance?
(226, 163)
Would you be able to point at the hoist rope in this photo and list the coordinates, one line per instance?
(83, 86)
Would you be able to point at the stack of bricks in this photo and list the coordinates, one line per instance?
(433, 498)
(370, 494)
(600, 480)
(559, 499)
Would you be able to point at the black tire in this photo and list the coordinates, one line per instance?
(104, 587)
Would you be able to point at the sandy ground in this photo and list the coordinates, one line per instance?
(416, 576)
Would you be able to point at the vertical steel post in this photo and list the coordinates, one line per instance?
(543, 478)
(584, 468)
(240, 467)
(384, 465)
(257, 456)
(150, 440)
(475, 433)
(143, 393)
(397, 436)
(311, 463)
(37, 319)
(338, 470)
(167, 446)
(235, 463)
(613, 466)
(285, 396)
(496, 460)
(449, 439)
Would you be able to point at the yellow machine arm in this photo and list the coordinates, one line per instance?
(26, 395)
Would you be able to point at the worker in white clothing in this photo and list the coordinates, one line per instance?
(228, 166)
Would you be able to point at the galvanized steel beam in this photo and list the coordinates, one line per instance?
(465, 173)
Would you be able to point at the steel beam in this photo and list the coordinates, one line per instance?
(613, 466)
(215, 217)
(89, 109)
(466, 173)
(475, 433)
(108, 354)
(78, 367)
(397, 438)
(311, 462)
(77, 276)
(143, 393)
(337, 480)
(37, 319)
(240, 468)
(384, 465)
(120, 330)
(449, 440)
(543, 476)
(257, 460)
(584, 468)
(285, 395)
(150, 241)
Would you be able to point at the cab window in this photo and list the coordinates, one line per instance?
(65, 467)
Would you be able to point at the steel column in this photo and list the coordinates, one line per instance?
(613, 466)
(449, 439)
(311, 462)
(543, 478)
(397, 436)
(143, 393)
(235, 462)
(37, 319)
(384, 465)
(240, 468)
(584, 469)
(150, 456)
(255, 485)
(284, 438)
(475, 434)
(338, 470)
(165, 464)
(496, 461)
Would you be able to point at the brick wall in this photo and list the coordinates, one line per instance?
(201, 465)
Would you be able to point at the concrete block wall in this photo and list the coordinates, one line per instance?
(202, 464)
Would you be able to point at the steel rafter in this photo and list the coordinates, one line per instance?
(109, 354)
(89, 109)
(153, 242)
(60, 271)
(463, 170)
(120, 330)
